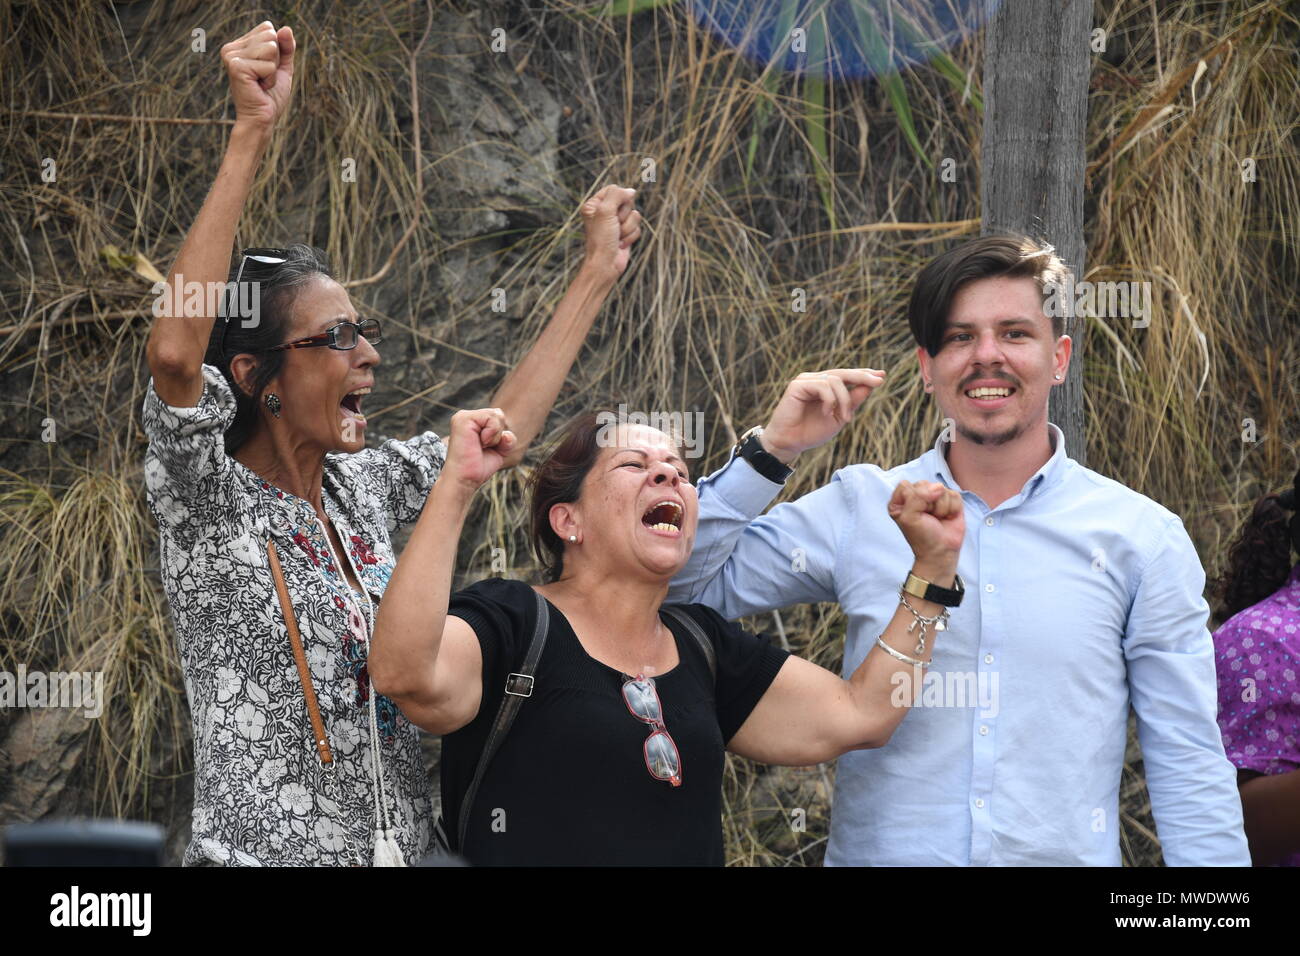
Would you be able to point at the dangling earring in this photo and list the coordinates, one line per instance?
(273, 403)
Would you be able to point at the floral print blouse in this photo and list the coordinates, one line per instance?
(261, 795)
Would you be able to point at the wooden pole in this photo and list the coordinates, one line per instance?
(1036, 65)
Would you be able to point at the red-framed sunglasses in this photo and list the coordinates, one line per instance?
(662, 758)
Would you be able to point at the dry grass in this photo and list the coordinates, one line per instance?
(737, 219)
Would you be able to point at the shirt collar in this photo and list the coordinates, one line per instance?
(936, 464)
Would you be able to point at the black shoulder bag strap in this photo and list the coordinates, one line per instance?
(519, 685)
(683, 617)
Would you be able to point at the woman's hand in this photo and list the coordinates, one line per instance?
(260, 67)
(933, 520)
(478, 447)
(612, 223)
(815, 406)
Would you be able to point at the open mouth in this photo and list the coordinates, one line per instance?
(664, 517)
(351, 404)
(990, 394)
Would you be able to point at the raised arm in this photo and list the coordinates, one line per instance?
(1173, 687)
(740, 565)
(260, 67)
(810, 715)
(612, 225)
(427, 663)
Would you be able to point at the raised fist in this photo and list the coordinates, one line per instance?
(612, 224)
(479, 445)
(932, 518)
(260, 67)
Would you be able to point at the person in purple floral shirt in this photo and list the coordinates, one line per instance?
(1258, 654)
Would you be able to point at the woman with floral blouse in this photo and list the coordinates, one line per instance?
(257, 458)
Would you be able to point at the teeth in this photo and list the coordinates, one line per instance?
(985, 392)
(360, 391)
(665, 525)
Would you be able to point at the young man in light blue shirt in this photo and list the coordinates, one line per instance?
(1082, 597)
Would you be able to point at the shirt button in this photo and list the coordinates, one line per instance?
(990, 588)
(984, 731)
(989, 522)
(988, 658)
(979, 803)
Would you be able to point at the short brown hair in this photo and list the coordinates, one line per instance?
(988, 257)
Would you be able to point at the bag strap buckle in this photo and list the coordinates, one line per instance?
(519, 685)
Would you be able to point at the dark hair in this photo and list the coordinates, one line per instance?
(1259, 560)
(558, 480)
(276, 288)
(988, 257)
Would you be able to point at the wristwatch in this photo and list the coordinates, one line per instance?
(762, 461)
(948, 597)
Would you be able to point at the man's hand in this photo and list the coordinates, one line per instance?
(612, 223)
(260, 67)
(815, 406)
(479, 444)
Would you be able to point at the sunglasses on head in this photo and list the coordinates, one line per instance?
(252, 260)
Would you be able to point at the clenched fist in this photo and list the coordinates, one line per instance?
(479, 444)
(932, 518)
(260, 67)
(612, 224)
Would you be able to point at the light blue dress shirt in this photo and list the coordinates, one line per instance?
(1082, 597)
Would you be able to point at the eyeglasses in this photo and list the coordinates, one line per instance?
(343, 337)
(252, 260)
(661, 756)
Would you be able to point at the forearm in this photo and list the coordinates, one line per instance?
(1271, 808)
(413, 614)
(810, 715)
(529, 391)
(730, 500)
(883, 688)
(177, 339)
(1193, 788)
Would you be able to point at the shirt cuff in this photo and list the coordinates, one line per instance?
(742, 489)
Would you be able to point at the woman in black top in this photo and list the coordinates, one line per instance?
(579, 778)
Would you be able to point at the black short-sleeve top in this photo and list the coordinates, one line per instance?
(569, 784)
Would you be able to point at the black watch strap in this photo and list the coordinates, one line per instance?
(926, 591)
(762, 461)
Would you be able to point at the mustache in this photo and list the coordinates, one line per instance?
(992, 378)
